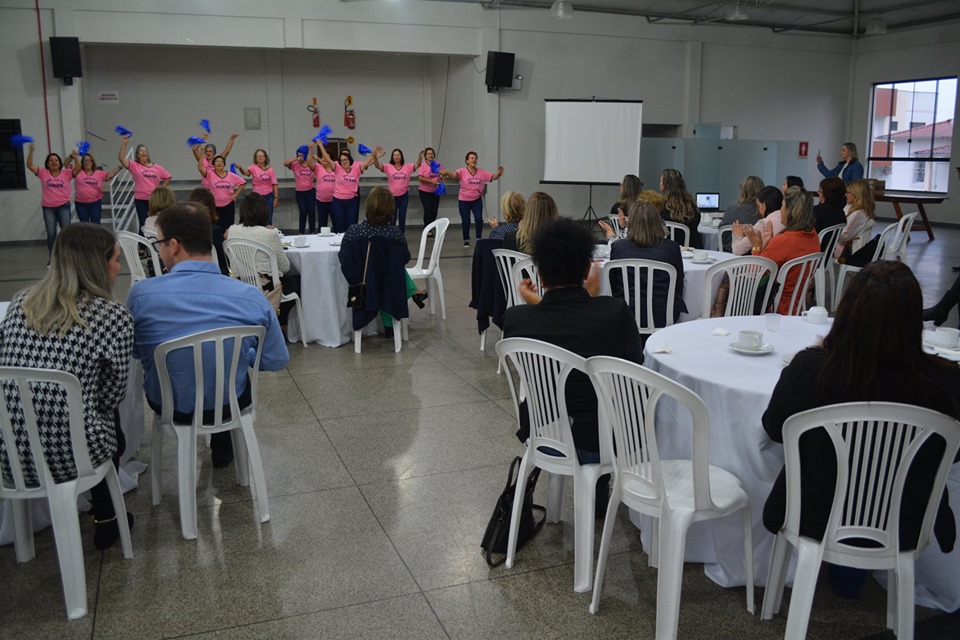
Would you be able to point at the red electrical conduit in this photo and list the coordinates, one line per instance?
(43, 76)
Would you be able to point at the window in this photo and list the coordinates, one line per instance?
(916, 158)
(13, 173)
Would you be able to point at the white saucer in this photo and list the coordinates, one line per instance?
(707, 261)
(326, 235)
(762, 351)
(686, 255)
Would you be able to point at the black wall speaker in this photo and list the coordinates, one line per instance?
(65, 55)
(499, 69)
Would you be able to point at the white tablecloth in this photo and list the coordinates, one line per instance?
(708, 234)
(694, 282)
(736, 390)
(323, 294)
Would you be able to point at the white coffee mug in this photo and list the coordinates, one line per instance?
(816, 315)
(324, 231)
(946, 337)
(752, 340)
(300, 241)
(700, 256)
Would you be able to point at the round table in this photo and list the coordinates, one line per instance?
(694, 282)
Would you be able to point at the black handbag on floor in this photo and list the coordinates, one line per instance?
(498, 529)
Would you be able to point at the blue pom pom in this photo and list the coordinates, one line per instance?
(233, 167)
(325, 132)
(434, 166)
(206, 125)
(317, 138)
(123, 131)
(363, 150)
(83, 147)
(193, 141)
(18, 140)
(303, 151)
(441, 189)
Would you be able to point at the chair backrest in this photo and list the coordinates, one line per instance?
(227, 346)
(726, 229)
(506, 258)
(876, 444)
(131, 244)
(615, 224)
(803, 268)
(440, 227)
(243, 253)
(627, 396)
(524, 265)
(673, 228)
(896, 248)
(888, 238)
(58, 396)
(828, 241)
(150, 233)
(635, 271)
(542, 370)
(746, 278)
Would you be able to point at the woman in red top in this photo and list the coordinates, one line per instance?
(798, 239)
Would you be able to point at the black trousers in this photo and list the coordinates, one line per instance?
(218, 441)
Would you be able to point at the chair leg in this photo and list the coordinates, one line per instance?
(892, 599)
(256, 468)
(241, 462)
(608, 524)
(905, 596)
(804, 584)
(66, 533)
(432, 290)
(556, 489)
(483, 342)
(156, 455)
(584, 499)
(22, 530)
(438, 278)
(303, 327)
(517, 504)
(653, 557)
(356, 342)
(776, 576)
(120, 509)
(187, 481)
(397, 335)
(748, 557)
(673, 539)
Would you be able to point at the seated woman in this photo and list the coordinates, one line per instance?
(769, 203)
(679, 206)
(830, 210)
(941, 311)
(646, 239)
(70, 322)
(539, 209)
(797, 240)
(630, 188)
(860, 211)
(869, 354)
(511, 204)
(354, 255)
(160, 199)
(203, 196)
(744, 210)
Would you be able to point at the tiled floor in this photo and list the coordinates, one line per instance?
(382, 470)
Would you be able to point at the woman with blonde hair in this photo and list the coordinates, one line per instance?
(630, 188)
(161, 198)
(679, 205)
(511, 204)
(540, 208)
(860, 211)
(69, 321)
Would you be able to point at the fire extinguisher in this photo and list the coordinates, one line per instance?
(349, 117)
(312, 108)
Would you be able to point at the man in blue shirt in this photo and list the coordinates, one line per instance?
(194, 297)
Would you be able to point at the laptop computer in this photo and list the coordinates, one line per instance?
(708, 202)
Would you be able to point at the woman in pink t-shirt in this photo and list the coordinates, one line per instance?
(210, 150)
(427, 181)
(304, 191)
(346, 191)
(88, 181)
(470, 200)
(264, 180)
(225, 187)
(147, 176)
(55, 180)
(398, 181)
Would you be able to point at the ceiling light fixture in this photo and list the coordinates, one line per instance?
(562, 10)
(877, 26)
(735, 13)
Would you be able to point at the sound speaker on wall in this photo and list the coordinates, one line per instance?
(499, 70)
(65, 56)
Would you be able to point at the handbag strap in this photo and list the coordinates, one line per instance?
(366, 262)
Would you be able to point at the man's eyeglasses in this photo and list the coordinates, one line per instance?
(156, 242)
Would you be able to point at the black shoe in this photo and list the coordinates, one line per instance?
(388, 333)
(956, 268)
(937, 314)
(418, 299)
(106, 533)
(221, 457)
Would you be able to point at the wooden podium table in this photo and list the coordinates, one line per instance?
(917, 198)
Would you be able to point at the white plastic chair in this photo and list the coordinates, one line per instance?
(673, 228)
(130, 245)
(62, 497)
(615, 225)
(543, 370)
(886, 236)
(632, 295)
(242, 254)
(150, 233)
(886, 438)
(745, 275)
(725, 229)
(431, 273)
(676, 493)
(825, 272)
(516, 277)
(897, 248)
(506, 258)
(401, 332)
(807, 266)
(226, 346)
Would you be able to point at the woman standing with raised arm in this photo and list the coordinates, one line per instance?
(470, 199)
(89, 188)
(147, 176)
(210, 150)
(224, 186)
(326, 184)
(849, 167)
(54, 191)
(346, 191)
(427, 180)
(304, 178)
(264, 180)
(398, 181)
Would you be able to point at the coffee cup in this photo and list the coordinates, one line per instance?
(752, 340)
(325, 231)
(700, 255)
(946, 337)
(300, 241)
(816, 315)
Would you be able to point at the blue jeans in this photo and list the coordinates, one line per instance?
(269, 199)
(400, 204)
(308, 210)
(344, 213)
(53, 216)
(89, 211)
(323, 213)
(143, 208)
(476, 206)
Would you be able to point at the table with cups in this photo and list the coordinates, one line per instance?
(733, 364)
(709, 229)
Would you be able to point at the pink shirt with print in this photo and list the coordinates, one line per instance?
(90, 185)
(54, 189)
(425, 172)
(222, 188)
(471, 186)
(348, 181)
(302, 175)
(326, 183)
(146, 179)
(398, 180)
(263, 179)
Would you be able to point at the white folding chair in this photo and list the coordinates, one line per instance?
(897, 247)
(33, 387)
(431, 273)
(130, 245)
(721, 231)
(524, 265)
(674, 228)
(826, 272)
(228, 346)
(640, 298)
(745, 276)
(675, 493)
(805, 268)
(846, 270)
(543, 370)
(242, 255)
(876, 444)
